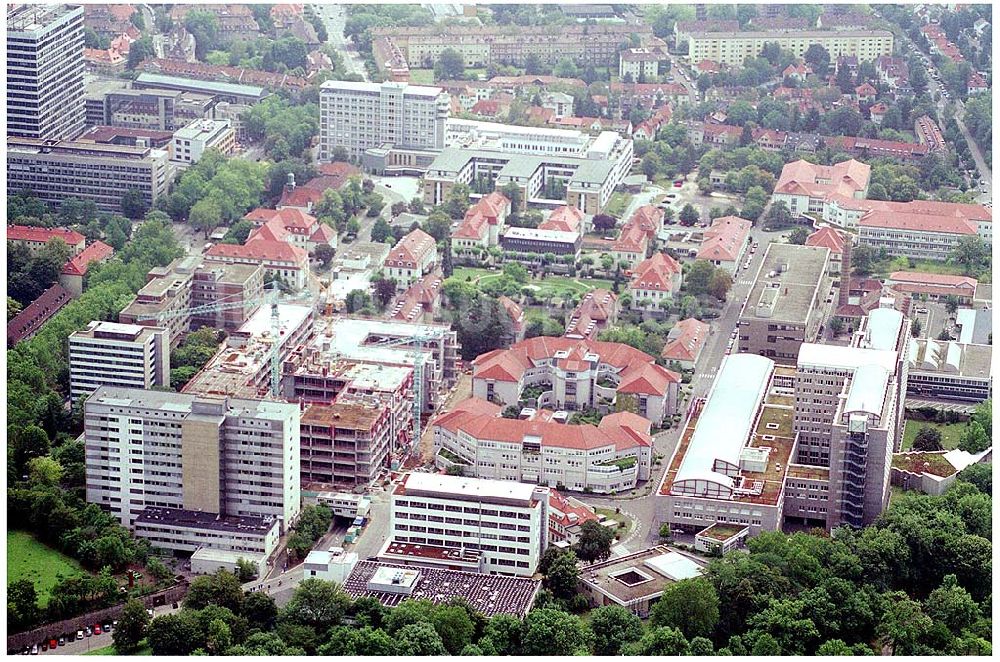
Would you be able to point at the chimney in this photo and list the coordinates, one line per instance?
(845, 274)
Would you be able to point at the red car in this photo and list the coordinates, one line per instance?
(679, 183)
(97, 629)
(53, 643)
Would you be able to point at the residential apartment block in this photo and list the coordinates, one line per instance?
(641, 64)
(45, 71)
(494, 526)
(35, 238)
(725, 242)
(539, 447)
(809, 188)
(55, 171)
(731, 49)
(227, 457)
(482, 225)
(786, 303)
(408, 119)
(118, 355)
(577, 374)
(595, 44)
(654, 282)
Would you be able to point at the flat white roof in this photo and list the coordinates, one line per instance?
(966, 319)
(470, 489)
(346, 338)
(290, 318)
(202, 129)
(118, 327)
(675, 566)
(868, 389)
(727, 418)
(224, 555)
(884, 325)
(836, 356)
(511, 129)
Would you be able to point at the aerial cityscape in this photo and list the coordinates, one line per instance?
(499, 329)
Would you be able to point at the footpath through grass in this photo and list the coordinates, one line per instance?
(29, 559)
(950, 433)
(556, 285)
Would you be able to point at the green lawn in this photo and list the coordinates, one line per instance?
(29, 559)
(886, 267)
(555, 285)
(421, 76)
(144, 649)
(950, 433)
(618, 204)
(611, 514)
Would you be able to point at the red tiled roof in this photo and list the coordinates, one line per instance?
(37, 313)
(803, 178)
(509, 365)
(324, 233)
(594, 313)
(655, 273)
(827, 238)
(686, 340)
(725, 239)
(513, 310)
(43, 235)
(95, 252)
(265, 250)
(565, 513)
(565, 218)
(923, 278)
(411, 249)
(915, 222)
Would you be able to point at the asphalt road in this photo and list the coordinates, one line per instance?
(334, 17)
(93, 642)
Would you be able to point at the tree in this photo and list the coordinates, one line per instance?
(974, 438)
(690, 605)
(863, 259)
(719, 284)
(818, 58)
(689, 215)
(904, 625)
(438, 225)
(952, 605)
(972, 253)
(927, 439)
(246, 571)
(561, 573)
(140, 50)
(699, 277)
(839, 648)
(385, 290)
(172, 634)
(916, 328)
(455, 627)
(44, 471)
(798, 236)
(449, 66)
(613, 628)
(324, 253)
(134, 204)
(980, 475)
(380, 230)
(951, 304)
(131, 629)
(551, 632)
(22, 605)
(836, 326)
(660, 642)
(316, 604)
(419, 639)
(206, 215)
(222, 589)
(595, 542)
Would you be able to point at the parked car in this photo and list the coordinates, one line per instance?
(34, 649)
(87, 631)
(79, 634)
(62, 641)
(107, 626)
(97, 629)
(53, 643)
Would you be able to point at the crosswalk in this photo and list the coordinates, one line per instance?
(745, 281)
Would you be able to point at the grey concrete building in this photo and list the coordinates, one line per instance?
(113, 354)
(787, 302)
(229, 457)
(56, 170)
(45, 95)
(383, 117)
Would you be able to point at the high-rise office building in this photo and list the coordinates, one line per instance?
(45, 94)
(363, 116)
(153, 452)
(112, 354)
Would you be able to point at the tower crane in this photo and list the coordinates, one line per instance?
(269, 298)
(417, 341)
